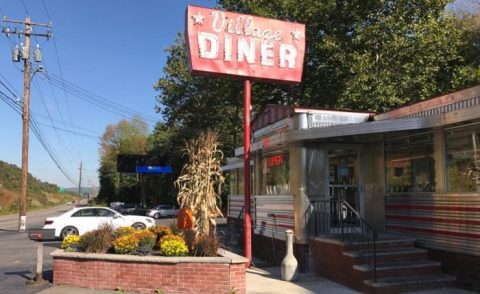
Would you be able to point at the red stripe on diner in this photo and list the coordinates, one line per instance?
(286, 216)
(432, 207)
(272, 226)
(434, 232)
(286, 226)
(433, 219)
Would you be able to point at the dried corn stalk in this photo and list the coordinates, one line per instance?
(199, 177)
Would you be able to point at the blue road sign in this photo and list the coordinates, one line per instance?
(149, 169)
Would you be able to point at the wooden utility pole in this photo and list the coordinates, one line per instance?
(80, 185)
(25, 129)
(25, 55)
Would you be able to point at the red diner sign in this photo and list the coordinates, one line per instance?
(231, 44)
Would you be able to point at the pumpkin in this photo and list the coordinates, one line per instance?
(185, 219)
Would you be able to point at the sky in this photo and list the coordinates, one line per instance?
(115, 50)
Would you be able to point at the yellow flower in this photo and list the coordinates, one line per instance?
(70, 241)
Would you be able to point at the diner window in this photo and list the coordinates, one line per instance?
(462, 152)
(409, 163)
(232, 179)
(240, 184)
(275, 174)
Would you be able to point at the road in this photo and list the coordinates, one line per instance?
(18, 253)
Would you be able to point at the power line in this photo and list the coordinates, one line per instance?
(70, 131)
(38, 133)
(25, 7)
(96, 100)
(39, 91)
(59, 64)
(46, 10)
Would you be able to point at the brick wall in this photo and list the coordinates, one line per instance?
(182, 277)
(330, 263)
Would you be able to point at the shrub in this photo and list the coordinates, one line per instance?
(126, 244)
(189, 237)
(206, 245)
(97, 241)
(123, 231)
(146, 241)
(161, 231)
(71, 243)
(173, 245)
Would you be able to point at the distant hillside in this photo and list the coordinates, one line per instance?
(40, 194)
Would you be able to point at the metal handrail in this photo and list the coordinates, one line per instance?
(329, 216)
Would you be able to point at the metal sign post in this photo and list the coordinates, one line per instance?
(227, 44)
(246, 171)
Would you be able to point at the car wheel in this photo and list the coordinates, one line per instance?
(138, 226)
(67, 231)
(156, 215)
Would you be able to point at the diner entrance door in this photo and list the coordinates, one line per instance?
(343, 179)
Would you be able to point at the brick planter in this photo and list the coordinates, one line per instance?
(150, 273)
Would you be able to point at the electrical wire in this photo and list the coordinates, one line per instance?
(38, 133)
(40, 93)
(97, 100)
(25, 7)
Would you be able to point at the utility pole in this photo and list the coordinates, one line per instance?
(24, 53)
(80, 184)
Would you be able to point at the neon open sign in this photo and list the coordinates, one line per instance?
(275, 160)
(226, 43)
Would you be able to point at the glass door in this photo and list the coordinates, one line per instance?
(343, 177)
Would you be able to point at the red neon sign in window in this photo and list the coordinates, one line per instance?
(275, 160)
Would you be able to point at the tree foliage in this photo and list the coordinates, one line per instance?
(365, 55)
(126, 137)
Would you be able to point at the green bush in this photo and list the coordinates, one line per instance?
(97, 241)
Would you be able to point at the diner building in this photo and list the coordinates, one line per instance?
(413, 173)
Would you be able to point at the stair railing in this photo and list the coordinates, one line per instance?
(332, 217)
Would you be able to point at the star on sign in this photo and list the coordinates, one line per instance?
(296, 35)
(198, 18)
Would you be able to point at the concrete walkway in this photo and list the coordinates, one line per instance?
(267, 281)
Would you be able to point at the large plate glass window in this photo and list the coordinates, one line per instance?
(409, 163)
(275, 174)
(462, 148)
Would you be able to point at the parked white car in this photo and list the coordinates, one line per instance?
(162, 211)
(80, 220)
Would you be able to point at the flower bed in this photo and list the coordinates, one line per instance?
(186, 274)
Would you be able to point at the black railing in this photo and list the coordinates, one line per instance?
(332, 217)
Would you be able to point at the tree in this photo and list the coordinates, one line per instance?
(365, 55)
(126, 137)
(406, 52)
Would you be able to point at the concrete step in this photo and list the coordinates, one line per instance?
(401, 268)
(382, 244)
(385, 255)
(402, 284)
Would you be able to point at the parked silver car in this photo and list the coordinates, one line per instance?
(162, 211)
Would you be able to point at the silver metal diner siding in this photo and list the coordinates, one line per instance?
(444, 221)
(441, 220)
